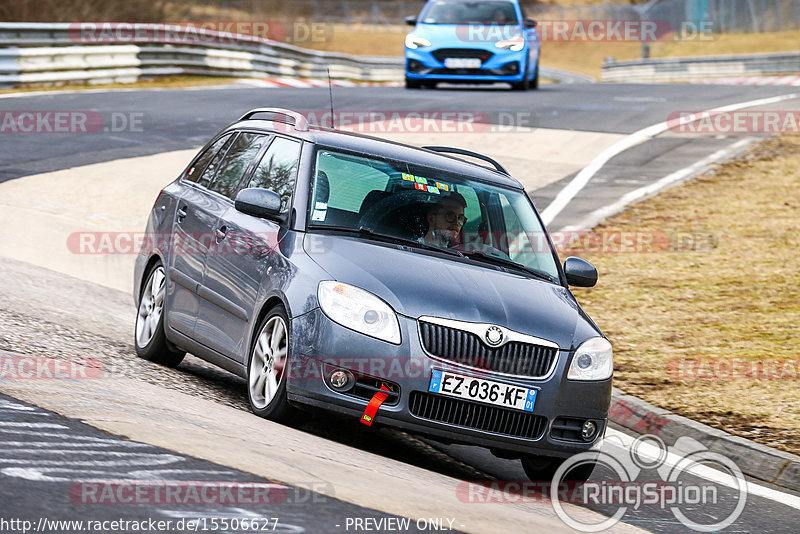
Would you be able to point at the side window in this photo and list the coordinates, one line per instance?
(211, 168)
(233, 167)
(278, 169)
(194, 172)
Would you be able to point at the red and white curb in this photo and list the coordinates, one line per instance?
(753, 80)
(303, 83)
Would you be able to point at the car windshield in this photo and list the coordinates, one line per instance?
(383, 199)
(445, 12)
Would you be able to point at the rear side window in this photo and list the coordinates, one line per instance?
(236, 162)
(277, 170)
(211, 168)
(196, 170)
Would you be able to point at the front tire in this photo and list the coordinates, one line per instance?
(523, 85)
(149, 337)
(268, 370)
(413, 84)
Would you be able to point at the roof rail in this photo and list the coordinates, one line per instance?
(461, 151)
(300, 122)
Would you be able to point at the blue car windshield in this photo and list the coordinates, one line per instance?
(376, 198)
(488, 12)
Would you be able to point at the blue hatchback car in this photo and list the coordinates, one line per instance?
(389, 283)
(466, 41)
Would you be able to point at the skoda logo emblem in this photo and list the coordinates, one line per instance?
(494, 336)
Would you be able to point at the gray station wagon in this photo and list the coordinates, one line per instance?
(399, 285)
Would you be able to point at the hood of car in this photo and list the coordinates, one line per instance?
(464, 35)
(417, 283)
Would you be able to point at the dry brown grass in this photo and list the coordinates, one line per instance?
(684, 323)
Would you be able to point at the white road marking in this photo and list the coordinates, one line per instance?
(652, 452)
(574, 187)
(600, 214)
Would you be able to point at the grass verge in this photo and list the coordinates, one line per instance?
(709, 327)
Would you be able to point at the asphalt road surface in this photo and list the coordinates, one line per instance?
(38, 312)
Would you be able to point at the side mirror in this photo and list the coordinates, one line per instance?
(259, 203)
(411, 21)
(530, 23)
(580, 273)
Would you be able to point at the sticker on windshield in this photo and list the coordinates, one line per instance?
(321, 206)
(443, 187)
(319, 215)
(420, 187)
(433, 190)
(409, 177)
(421, 180)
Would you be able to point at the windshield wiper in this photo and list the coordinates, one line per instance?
(474, 254)
(363, 230)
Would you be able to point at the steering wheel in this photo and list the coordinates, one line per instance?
(489, 250)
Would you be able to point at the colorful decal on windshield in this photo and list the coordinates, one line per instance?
(409, 177)
(443, 187)
(433, 190)
(421, 180)
(420, 187)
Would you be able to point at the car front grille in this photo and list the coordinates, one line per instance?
(465, 348)
(444, 53)
(476, 416)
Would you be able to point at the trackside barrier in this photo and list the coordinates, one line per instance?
(42, 53)
(691, 68)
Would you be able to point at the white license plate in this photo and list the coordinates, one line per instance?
(480, 390)
(462, 63)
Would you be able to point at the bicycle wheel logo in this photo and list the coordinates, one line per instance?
(689, 478)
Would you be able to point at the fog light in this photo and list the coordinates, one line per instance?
(341, 379)
(588, 430)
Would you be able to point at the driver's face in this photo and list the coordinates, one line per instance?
(449, 216)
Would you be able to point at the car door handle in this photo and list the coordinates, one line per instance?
(221, 232)
(181, 214)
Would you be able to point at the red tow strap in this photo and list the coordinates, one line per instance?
(374, 403)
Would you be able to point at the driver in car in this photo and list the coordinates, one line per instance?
(445, 220)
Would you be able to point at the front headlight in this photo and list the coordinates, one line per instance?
(359, 310)
(515, 45)
(413, 42)
(592, 361)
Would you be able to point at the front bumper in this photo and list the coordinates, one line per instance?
(503, 66)
(316, 340)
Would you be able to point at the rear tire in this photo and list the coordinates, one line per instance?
(149, 337)
(542, 468)
(267, 370)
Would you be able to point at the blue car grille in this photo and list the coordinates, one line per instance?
(476, 416)
(465, 348)
(444, 53)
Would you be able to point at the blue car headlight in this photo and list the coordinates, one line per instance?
(359, 310)
(413, 42)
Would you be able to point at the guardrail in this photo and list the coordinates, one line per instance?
(40, 53)
(691, 68)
